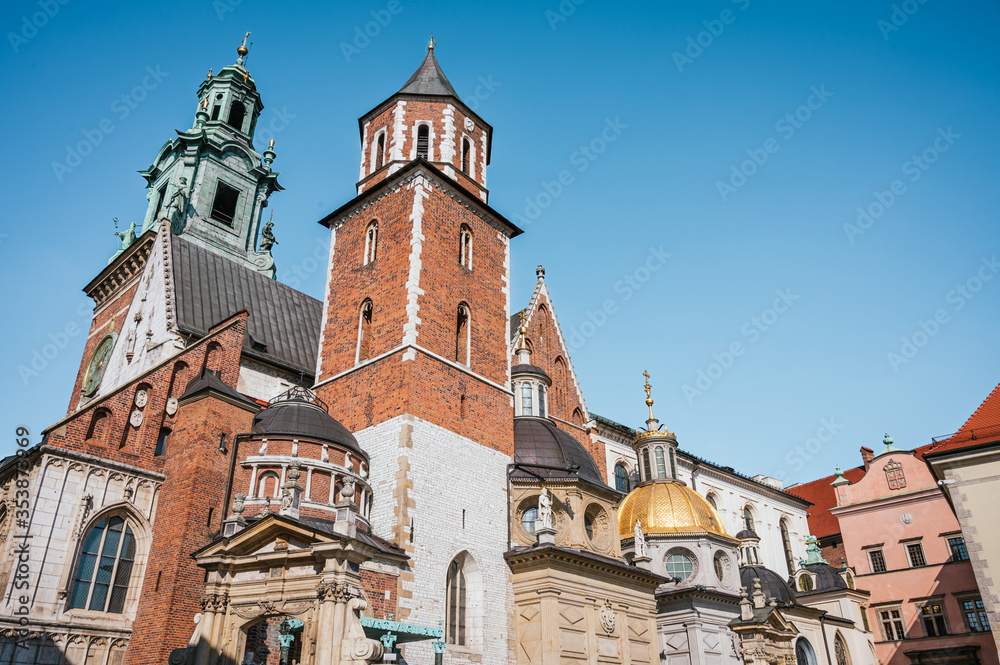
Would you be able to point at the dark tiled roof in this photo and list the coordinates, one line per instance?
(210, 380)
(747, 533)
(429, 79)
(827, 578)
(538, 441)
(525, 368)
(284, 323)
(369, 539)
(770, 583)
(305, 420)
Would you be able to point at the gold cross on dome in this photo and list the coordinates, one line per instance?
(648, 387)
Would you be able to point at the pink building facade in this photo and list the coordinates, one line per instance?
(906, 547)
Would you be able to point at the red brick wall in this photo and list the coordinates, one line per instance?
(196, 482)
(546, 350)
(432, 113)
(375, 585)
(424, 387)
(100, 326)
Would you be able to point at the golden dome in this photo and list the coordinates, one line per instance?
(667, 507)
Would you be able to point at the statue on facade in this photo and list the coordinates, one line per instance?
(127, 236)
(176, 209)
(640, 541)
(286, 499)
(545, 509)
(267, 240)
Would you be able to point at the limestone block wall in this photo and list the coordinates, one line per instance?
(439, 495)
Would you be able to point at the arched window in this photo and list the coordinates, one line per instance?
(645, 465)
(365, 330)
(380, 151)
(711, 500)
(806, 583)
(371, 242)
(465, 247)
(466, 154)
(236, 113)
(267, 485)
(105, 567)
(463, 336)
(621, 477)
(578, 416)
(560, 385)
(100, 424)
(673, 464)
(840, 651)
(423, 141)
(541, 400)
(464, 603)
(661, 469)
(526, 399)
(786, 543)
(804, 654)
(213, 356)
(747, 518)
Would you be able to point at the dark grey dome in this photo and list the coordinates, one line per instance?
(770, 583)
(827, 577)
(539, 441)
(525, 368)
(300, 414)
(746, 533)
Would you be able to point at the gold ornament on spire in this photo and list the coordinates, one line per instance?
(432, 43)
(523, 331)
(209, 72)
(242, 49)
(649, 395)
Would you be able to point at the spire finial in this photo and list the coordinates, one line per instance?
(431, 44)
(242, 49)
(649, 395)
(523, 330)
(540, 271)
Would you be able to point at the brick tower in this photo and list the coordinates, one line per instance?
(413, 355)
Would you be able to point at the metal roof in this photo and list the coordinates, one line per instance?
(429, 79)
(537, 441)
(284, 324)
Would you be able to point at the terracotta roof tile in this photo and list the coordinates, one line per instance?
(981, 427)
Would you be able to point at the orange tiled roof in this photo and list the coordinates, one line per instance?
(981, 427)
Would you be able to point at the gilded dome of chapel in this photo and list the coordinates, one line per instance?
(667, 507)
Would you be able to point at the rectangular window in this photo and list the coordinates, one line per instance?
(215, 112)
(224, 206)
(892, 624)
(932, 617)
(958, 549)
(160, 195)
(975, 615)
(915, 551)
(877, 561)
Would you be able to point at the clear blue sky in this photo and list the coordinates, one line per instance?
(686, 116)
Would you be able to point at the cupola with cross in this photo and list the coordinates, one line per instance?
(425, 119)
(209, 183)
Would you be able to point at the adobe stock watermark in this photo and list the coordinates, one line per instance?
(564, 10)
(751, 329)
(958, 298)
(276, 123)
(487, 86)
(696, 44)
(786, 126)
(625, 287)
(31, 24)
(581, 158)
(312, 262)
(55, 343)
(122, 107)
(797, 458)
(914, 167)
(365, 33)
(901, 13)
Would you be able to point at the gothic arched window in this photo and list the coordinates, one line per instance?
(464, 603)
(463, 336)
(673, 464)
(267, 485)
(105, 567)
(526, 399)
(840, 651)
(711, 500)
(365, 330)
(804, 654)
(541, 400)
(371, 242)
(465, 247)
(645, 465)
(466, 153)
(423, 141)
(747, 518)
(99, 426)
(621, 477)
(786, 543)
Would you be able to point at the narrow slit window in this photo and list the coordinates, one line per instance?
(526, 399)
(423, 141)
(161, 194)
(462, 336)
(661, 469)
(466, 153)
(465, 247)
(161, 442)
(365, 331)
(541, 401)
(380, 152)
(371, 242)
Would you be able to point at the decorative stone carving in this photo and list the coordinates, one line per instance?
(238, 500)
(141, 397)
(325, 455)
(640, 540)
(608, 617)
(347, 492)
(171, 406)
(136, 418)
(263, 448)
(545, 509)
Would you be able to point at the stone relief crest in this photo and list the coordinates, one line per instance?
(608, 619)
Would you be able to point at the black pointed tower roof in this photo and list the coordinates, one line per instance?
(429, 79)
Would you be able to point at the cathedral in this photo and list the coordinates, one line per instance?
(405, 471)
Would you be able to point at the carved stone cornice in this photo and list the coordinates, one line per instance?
(126, 267)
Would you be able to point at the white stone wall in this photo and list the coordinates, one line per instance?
(447, 475)
(261, 381)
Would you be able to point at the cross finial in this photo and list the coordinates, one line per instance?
(432, 43)
(649, 396)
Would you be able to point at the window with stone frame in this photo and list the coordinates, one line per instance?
(466, 154)
(465, 247)
(224, 204)
(840, 650)
(915, 553)
(526, 409)
(267, 485)
(463, 336)
(380, 151)
(371, 242)
(748, 518)
(365, 330)
(456, 595)
(894, 475)
(104, 570)
(933, 619)
(974, 613)
(956, 545)
(891, 622)
(621, 478)
(645, 464)
(661, 467)
(464, 601)
(786, 544)
(876, 560)
(423, 142)
(541, 400)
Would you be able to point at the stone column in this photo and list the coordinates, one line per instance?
(211, 605)
(324, 624)
(252, 491)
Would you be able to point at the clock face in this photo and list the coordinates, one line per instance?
(98, 363)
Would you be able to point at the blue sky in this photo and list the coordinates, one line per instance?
(739, 138)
